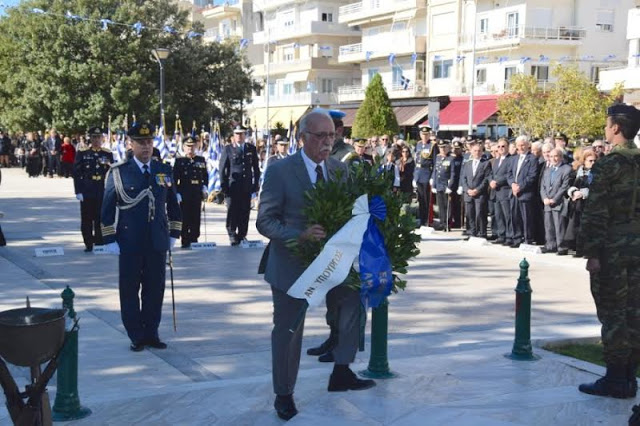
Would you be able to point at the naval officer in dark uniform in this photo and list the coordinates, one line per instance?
(89, 170)
(426, 151)
(240, 177)
(149, 224)
(192, 181)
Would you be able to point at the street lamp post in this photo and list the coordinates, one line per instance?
(160, 54)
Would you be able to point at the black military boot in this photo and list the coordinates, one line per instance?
(613, 384)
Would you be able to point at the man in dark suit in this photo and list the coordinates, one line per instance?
(474, 181)
(556, 180)
(89, 170)
(280, 219)
(149, 224)
(501, 165)
(53, 148)
(523, 179)
(239, 178)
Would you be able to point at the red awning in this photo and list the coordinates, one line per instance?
(455, 116)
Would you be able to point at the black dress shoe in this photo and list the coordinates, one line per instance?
(88, 249)
(136, 346)
(285, 407)
(546, 250)
(328, 357)
(326, 346)
(492, 238)
(563, 252)
(156, 344)
(498, 241)
(341, 382)
(514, 244)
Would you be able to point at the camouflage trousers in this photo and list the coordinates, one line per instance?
(616, 292)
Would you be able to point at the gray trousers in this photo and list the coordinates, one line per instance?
(286, 346)
(554, 227)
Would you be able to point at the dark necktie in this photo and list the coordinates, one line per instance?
(319, 174)
(146, 172)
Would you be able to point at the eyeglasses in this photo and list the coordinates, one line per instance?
(322, 135)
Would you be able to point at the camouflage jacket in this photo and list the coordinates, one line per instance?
(611, 217)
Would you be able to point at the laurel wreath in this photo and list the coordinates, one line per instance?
(329, 204)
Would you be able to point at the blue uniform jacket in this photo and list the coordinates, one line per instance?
(89, 170)
(444, 174)
(424, 168)
(134, 232)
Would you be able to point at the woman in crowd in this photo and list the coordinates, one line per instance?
(406, 167)
(67, 158)
(578, 192)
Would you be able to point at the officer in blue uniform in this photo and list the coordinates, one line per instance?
(89, 170)
(426, 151)
(149, 224)
(455, 203)
(192, 181)
(443, 182)
(240, 177)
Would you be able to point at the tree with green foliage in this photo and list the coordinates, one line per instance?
(572, 106)
(375, 116)
(71, 73)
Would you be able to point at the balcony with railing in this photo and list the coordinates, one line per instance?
(308, 28)
(381, 45)
(276, 68)
(629, 76)
(355, 93)
(213, 35)
(295, 99)
(374, 8)
(265, 5)
(228, 8)
(506, 36)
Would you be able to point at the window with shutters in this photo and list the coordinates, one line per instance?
(604, 20)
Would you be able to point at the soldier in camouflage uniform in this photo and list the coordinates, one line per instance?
(610, 239)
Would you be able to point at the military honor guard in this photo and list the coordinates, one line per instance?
(282, 146)
(143, 193)
(240, 177)
(426, 150)
(443, 183)
(609, 238)
(89, 171)
(192, 182)
(341, 149)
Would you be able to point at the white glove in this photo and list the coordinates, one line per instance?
(430, 182)
(459, 191)
(79, 197)
(433, 190)
(179, 198)
(112, 248)
(447, 191)
(415, 185)
(172, 243)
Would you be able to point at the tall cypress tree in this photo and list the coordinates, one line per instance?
(375, 116)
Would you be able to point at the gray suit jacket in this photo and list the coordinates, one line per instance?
(280, 215)
(557, 188)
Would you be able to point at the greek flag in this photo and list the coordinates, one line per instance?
(404, 82)
(293, 143)
(118, 150)
(392, 58)
(212, 156)
(160, 144)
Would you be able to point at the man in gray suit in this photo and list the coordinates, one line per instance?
(280, 219)
(554, 186)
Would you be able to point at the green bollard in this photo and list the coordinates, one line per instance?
(378, 362)
(67, 405)
(522, 350)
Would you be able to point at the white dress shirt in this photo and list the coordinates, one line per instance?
(311, 167)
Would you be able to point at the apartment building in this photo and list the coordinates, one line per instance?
(479, 44)
(300, 41)
(628, 75)
(393, 44)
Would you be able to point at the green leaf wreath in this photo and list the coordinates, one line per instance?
(329, 204)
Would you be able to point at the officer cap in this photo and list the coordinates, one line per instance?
(141, 131)
(360, 142)
(457, 144)
(239, 129)
(560, 135)
(189, 141)
(282, 141)
(425, 129)
(95, 131)
(443, 143)
(625, 110)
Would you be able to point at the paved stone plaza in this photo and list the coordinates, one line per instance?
(447, 332)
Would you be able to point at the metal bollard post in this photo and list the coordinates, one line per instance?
(378, 362)
(522, 350)
(67, 404)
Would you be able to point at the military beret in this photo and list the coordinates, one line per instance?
(95, 131)
(425, 129)
(239, 129)
(189, 141)
(336, 114)
(560, 135)
(360, 142)
(624, 110)
(142, 131)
